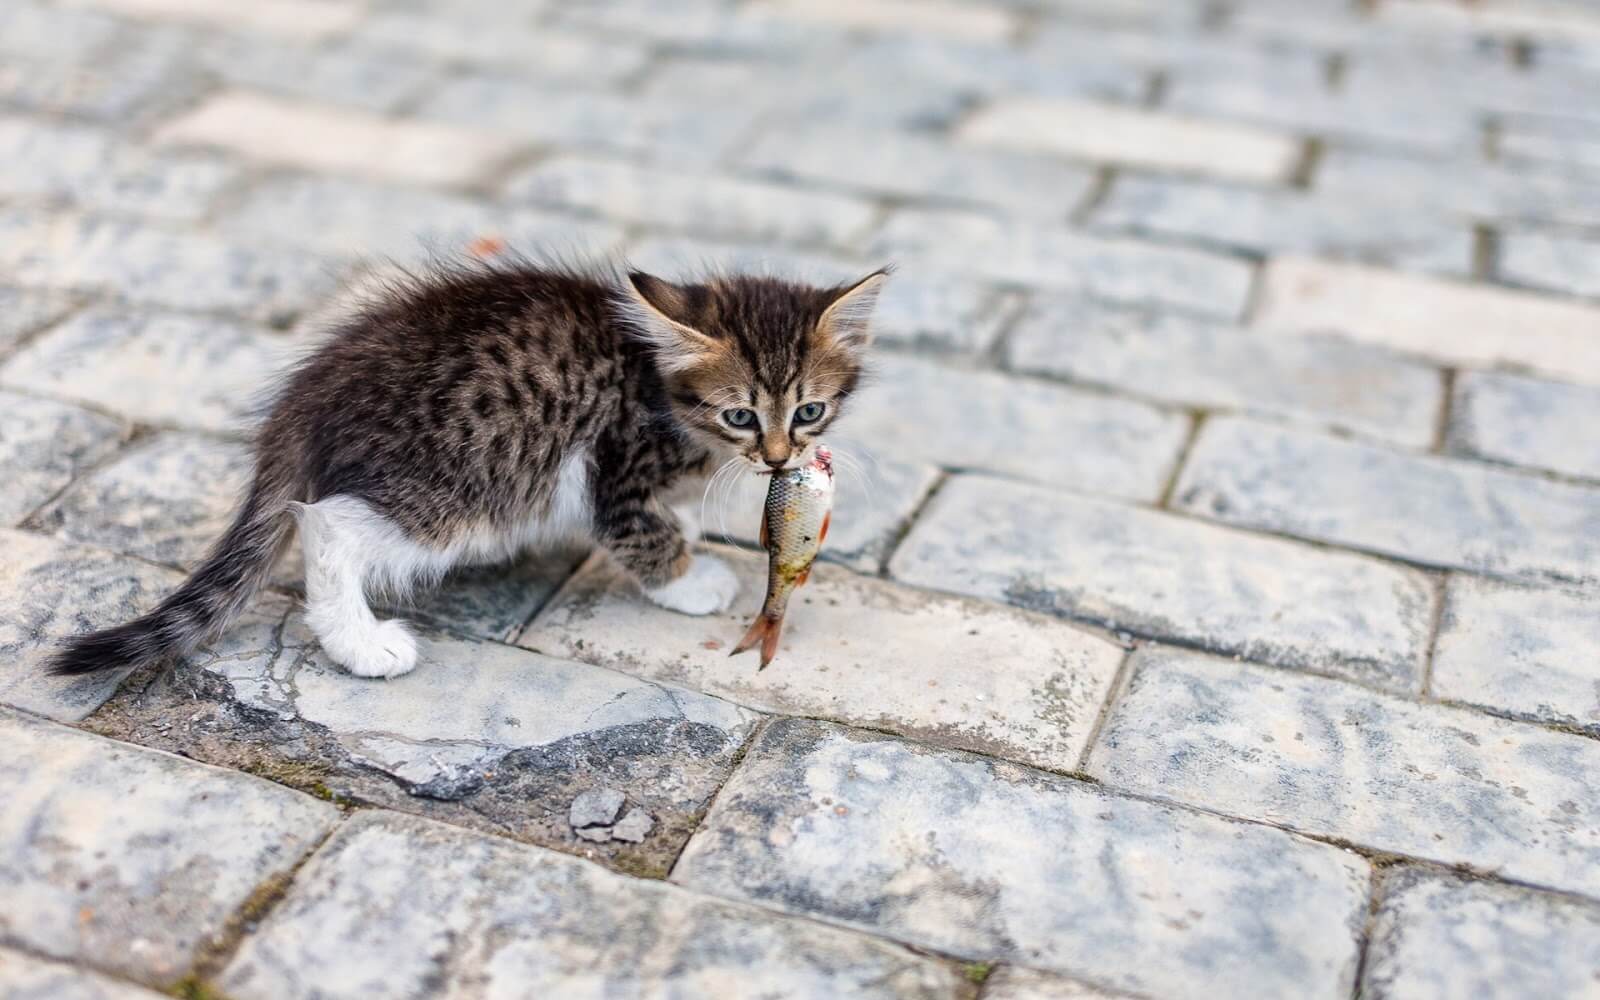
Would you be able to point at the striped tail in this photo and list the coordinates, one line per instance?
(209, 600)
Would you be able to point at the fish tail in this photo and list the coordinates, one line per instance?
(765, 630)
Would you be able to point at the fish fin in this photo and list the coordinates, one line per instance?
(764, 536)
(769, 645)
(822, 535)
(763, 631)
(805, 574)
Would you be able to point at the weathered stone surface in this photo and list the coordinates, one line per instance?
(518, 47)
(560, 927)
(1526, 421)
(211, 372)
(25, 310)
(968, 856)
(156, 266)
(1011, 982)
(1529, 653)
(1439, 936)
(596, 807)
(29, 27)
(633, 827)
(957, 672)
(906, 165)
(714, 206)
(1488, 191)
(1053, 434)
(963, 21)
(1457, 323)
(24, 977)
(1271, 220)
(1437, 511)
(351, 72)
(480, 734)
(304, 19)
(87, 167)
(133, 861)
(121, 84)
(1329, 758)
(1560, 263)
(1314, 379)
(1058, 258)
(1167, 577)
(43, 446)
(50, 590)
(1137, 137)
(317, 137)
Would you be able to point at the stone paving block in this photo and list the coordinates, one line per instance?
(1053, 434)
(50, 590)
(1172, 578)
(24, 311)
(1439, 936)
(152, 265)
(24, 977)
(132, 861)
(302, 19)
(900, 164)
(1534, 654)
(968, 855)
(964, 22)
(952, 671)
(1057, 258)
(995, 71)
(1329, 758)
(351, 72)
(1268, 221)
(561, 928)
(44, 445)
(1505, 193)
(1558, 263)
(119, 86)
(1573, 144)
(520, 48)
(213, 372)
(1136, 137)
(1526, 421)
(1010, 982)
(319, 137)
(1176, 50)
(30, 28)
(663, 130)
(86, 167)
(919, 306)
(479, 734)
(348, 217)
(699, 27)
(1435, 511)
(714, 206)
(1453, 322)
(1320, 380)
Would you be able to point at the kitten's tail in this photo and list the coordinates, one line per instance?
(212, 597)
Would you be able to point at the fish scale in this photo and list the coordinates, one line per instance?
(794, 522)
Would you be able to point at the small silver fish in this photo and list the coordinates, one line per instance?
(793, 524)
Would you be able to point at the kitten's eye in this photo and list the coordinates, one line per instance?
(739, 418)
(810, 413)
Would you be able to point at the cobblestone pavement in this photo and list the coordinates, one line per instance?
(1214, 610)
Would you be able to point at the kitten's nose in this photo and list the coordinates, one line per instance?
(778, 463)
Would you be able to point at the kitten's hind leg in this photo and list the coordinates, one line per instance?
(343, 538)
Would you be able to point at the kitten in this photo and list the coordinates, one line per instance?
(481, 411)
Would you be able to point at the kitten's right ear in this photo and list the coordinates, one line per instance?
(653, 306)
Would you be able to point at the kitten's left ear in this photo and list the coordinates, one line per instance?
(654, 306)
(848, 318)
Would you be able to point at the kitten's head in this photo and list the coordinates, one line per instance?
(756, 365)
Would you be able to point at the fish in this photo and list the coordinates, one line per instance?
(794, 522)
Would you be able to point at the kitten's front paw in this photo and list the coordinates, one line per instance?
(387, 650)
(708, 586)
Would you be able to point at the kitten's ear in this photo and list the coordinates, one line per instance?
(848, 319)
(653, 306)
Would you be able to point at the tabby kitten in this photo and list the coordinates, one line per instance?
(480, 411)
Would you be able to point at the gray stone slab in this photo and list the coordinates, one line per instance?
(1487, 191)
(1012, 982)
(1438, 937)
(1436, 511)
(1534, 654)
(1313, 379)
(1052, 434)
(712, 206)
(133, 861)
(479, 734)
(1265, 221)
(26, 310)
(984, 71)
(44, 445)
(91, 168)
(211, 373)
(351, 71)
(1526, 421)
(1057, 258)
(524, 49)
(1324, 757)
(123, 83)
(1173, 578)
(157, 266)
(1559, 263)
(905, 165)
(393, 906)
(969, 856)
(28, 27)
(50, 590)
(948, 670)
(24, 977)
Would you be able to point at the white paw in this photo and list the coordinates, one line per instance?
(708, 586)
(387, 650)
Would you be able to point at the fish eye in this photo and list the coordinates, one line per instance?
(739, 417)
(810, 413)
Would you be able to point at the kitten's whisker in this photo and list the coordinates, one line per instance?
(710, 483)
